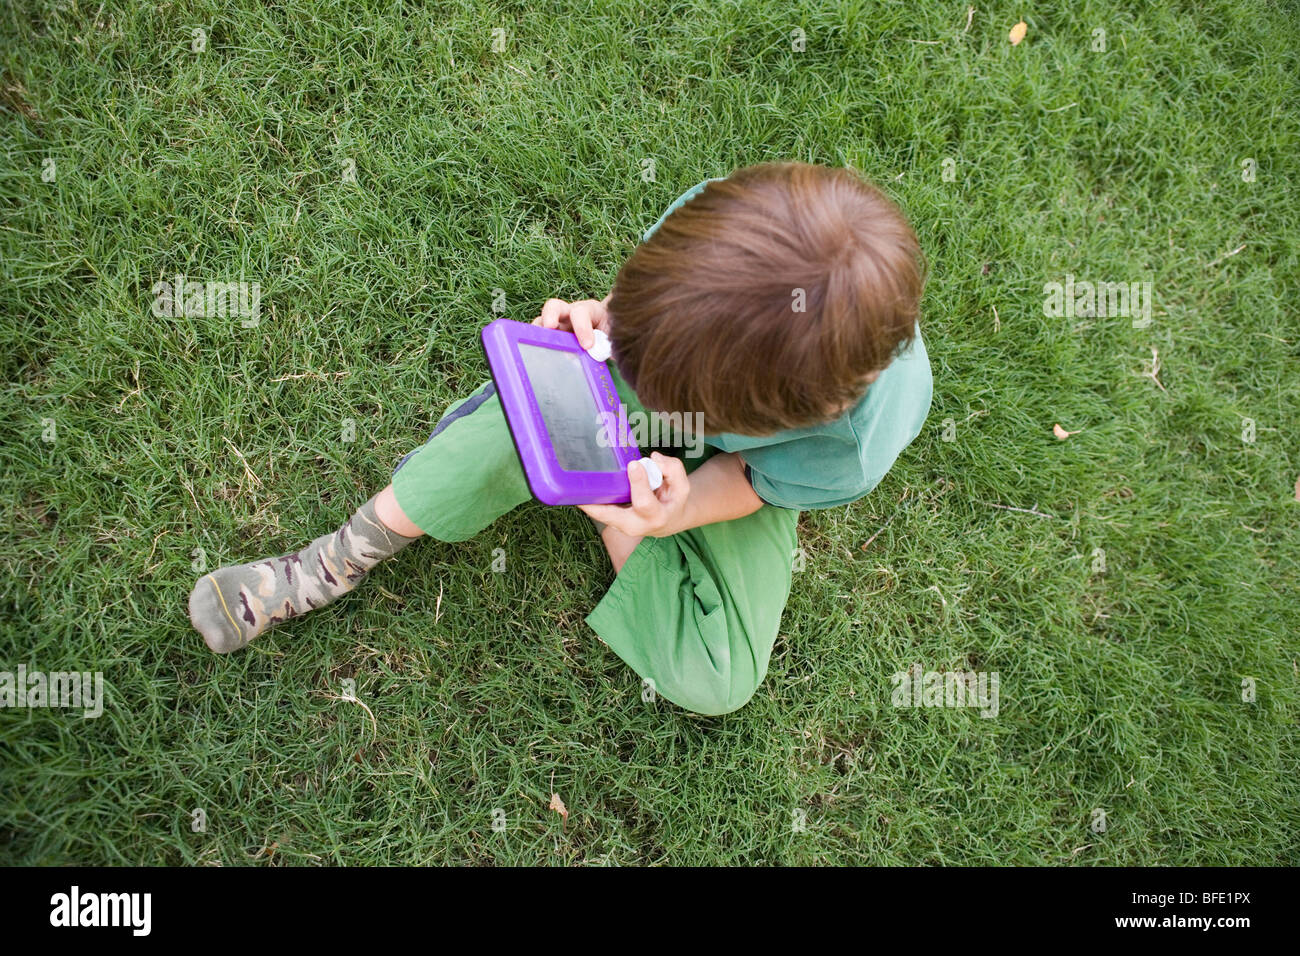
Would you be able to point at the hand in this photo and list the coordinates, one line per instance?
(580, 318)
(658, 513)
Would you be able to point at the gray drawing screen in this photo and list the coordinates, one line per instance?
(568, 409)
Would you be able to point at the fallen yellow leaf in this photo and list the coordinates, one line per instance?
(558, 806)
(1061, 433)
(1018, 33)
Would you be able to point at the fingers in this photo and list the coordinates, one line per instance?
(582, 318)
(601, 513)
(553, 312)
(675, 480)
(648, 510)
(619, 517)
(644, 501)
(674, 487)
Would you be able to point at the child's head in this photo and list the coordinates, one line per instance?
(769, 301)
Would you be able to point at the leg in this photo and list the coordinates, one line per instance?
(697, 613)
(466, 475)
(619, 545)
(461, 480)
(233, 605)
(392, 515)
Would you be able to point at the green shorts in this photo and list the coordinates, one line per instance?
(694, 614)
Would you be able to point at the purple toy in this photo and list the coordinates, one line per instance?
(562, 410)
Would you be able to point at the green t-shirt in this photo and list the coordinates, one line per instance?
(823, 466)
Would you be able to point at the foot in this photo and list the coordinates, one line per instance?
(233, 605)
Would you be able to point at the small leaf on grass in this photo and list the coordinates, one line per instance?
(1297, 489)
(1018, 33)
(558, 806)
(1061, 433)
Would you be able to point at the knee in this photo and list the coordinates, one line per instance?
(710, 691)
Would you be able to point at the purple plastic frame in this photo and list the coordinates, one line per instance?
(549, 483)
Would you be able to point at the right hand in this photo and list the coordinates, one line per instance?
(580, 318)
(661, 513)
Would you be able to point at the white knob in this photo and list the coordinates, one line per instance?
(652, 473)
(600, 349)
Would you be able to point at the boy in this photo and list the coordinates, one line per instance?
(781, 303)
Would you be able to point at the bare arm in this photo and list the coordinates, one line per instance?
(720, 492)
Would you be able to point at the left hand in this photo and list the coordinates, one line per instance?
(580, 318)
(657, 514)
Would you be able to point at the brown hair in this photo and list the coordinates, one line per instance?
(705, 313)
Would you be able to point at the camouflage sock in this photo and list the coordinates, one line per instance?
(232, 606)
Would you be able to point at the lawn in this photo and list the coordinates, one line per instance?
(388, 173)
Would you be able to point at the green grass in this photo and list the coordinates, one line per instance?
(521, 171)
